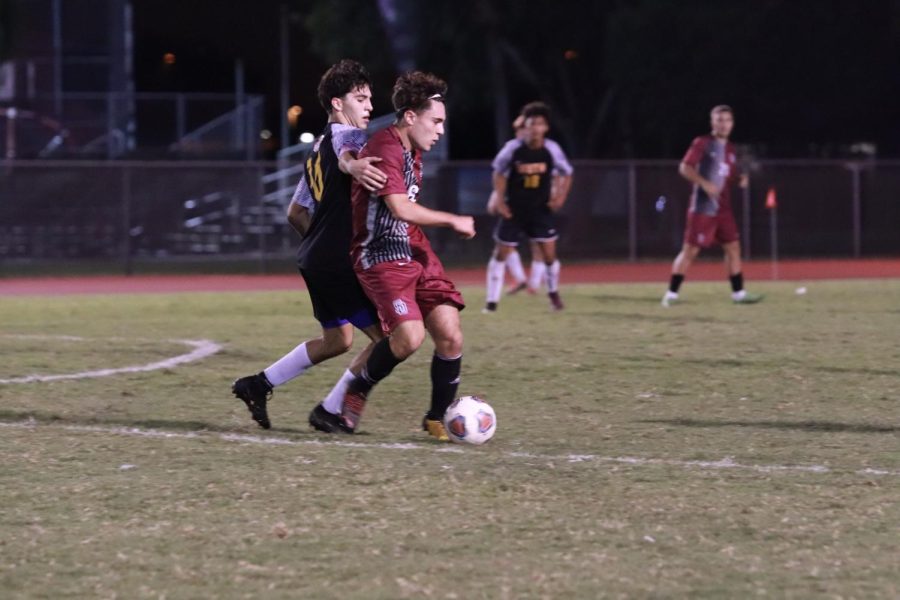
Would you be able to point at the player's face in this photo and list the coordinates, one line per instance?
(536, 129)
(355, 107)
(427, 127)
(722, 123)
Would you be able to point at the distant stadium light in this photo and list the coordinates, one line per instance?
(265, 134)
(307, 138)
(169, 58)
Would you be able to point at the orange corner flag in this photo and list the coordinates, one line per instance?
(771, 202)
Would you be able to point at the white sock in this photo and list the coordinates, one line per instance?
(739, 295)
(334, 401)
(671, 295)
(495, 272)
(538, 270)
(514, 264)
(290, 365)
(552, 278)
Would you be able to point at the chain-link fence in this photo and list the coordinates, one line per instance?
(127, 215)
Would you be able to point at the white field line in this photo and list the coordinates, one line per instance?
(725, 463)
(201, 349)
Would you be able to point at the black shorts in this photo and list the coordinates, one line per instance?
(338, 299)
(538, 225)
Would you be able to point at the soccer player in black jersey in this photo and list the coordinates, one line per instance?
(320, 212)
(532, 178)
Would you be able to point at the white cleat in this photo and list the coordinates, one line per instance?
(669, 299)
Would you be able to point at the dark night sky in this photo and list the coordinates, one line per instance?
(806, 78)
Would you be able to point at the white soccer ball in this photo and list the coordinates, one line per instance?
(470, 420)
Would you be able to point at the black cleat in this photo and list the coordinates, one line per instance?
(324, 421)
(255, 391)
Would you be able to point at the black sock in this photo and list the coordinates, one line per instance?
(444, 383)
(379, 365)
(737, 282)
(675, 282)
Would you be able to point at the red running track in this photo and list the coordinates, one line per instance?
(789, 270)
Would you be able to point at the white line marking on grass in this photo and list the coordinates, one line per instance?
(201, 349)
(725, 463)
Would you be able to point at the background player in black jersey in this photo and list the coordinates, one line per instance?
(320, 212)
(513, 262)
(532, 179)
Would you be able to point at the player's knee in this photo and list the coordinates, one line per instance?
(337, 344)
(450, 343)
(406, 340)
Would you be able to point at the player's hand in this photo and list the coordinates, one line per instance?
(464, 225)
(503, 210)
(555, 204)
(711, 189)
(371, 177)
(743, 182)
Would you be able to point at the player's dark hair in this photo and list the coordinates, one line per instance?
(720, 108)
(536, 109)
(341, 79)
(415, 91)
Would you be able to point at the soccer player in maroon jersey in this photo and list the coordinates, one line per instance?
(710, 164)
(394, 260)
(320, 212)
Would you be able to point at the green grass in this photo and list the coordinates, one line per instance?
(597, 484)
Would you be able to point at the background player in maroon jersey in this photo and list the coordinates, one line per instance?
(394, 260)
(710, 164)
(320, 212)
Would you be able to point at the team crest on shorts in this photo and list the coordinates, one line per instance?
(400, 307)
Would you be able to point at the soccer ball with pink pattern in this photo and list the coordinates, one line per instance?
(470, 420)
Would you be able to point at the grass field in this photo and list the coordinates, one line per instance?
(706, 450)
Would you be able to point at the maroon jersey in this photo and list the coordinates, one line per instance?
(715, 161)
(378, 236)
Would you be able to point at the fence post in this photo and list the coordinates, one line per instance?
(260, 192)
(126, 219)
(180, 119)
(745, 209)
(632, 212)
(773, 233)
(857, 210)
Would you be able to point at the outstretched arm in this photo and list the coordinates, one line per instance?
(411, 212)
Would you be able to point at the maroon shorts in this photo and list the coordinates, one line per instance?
(706, 230)
(408, 290)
